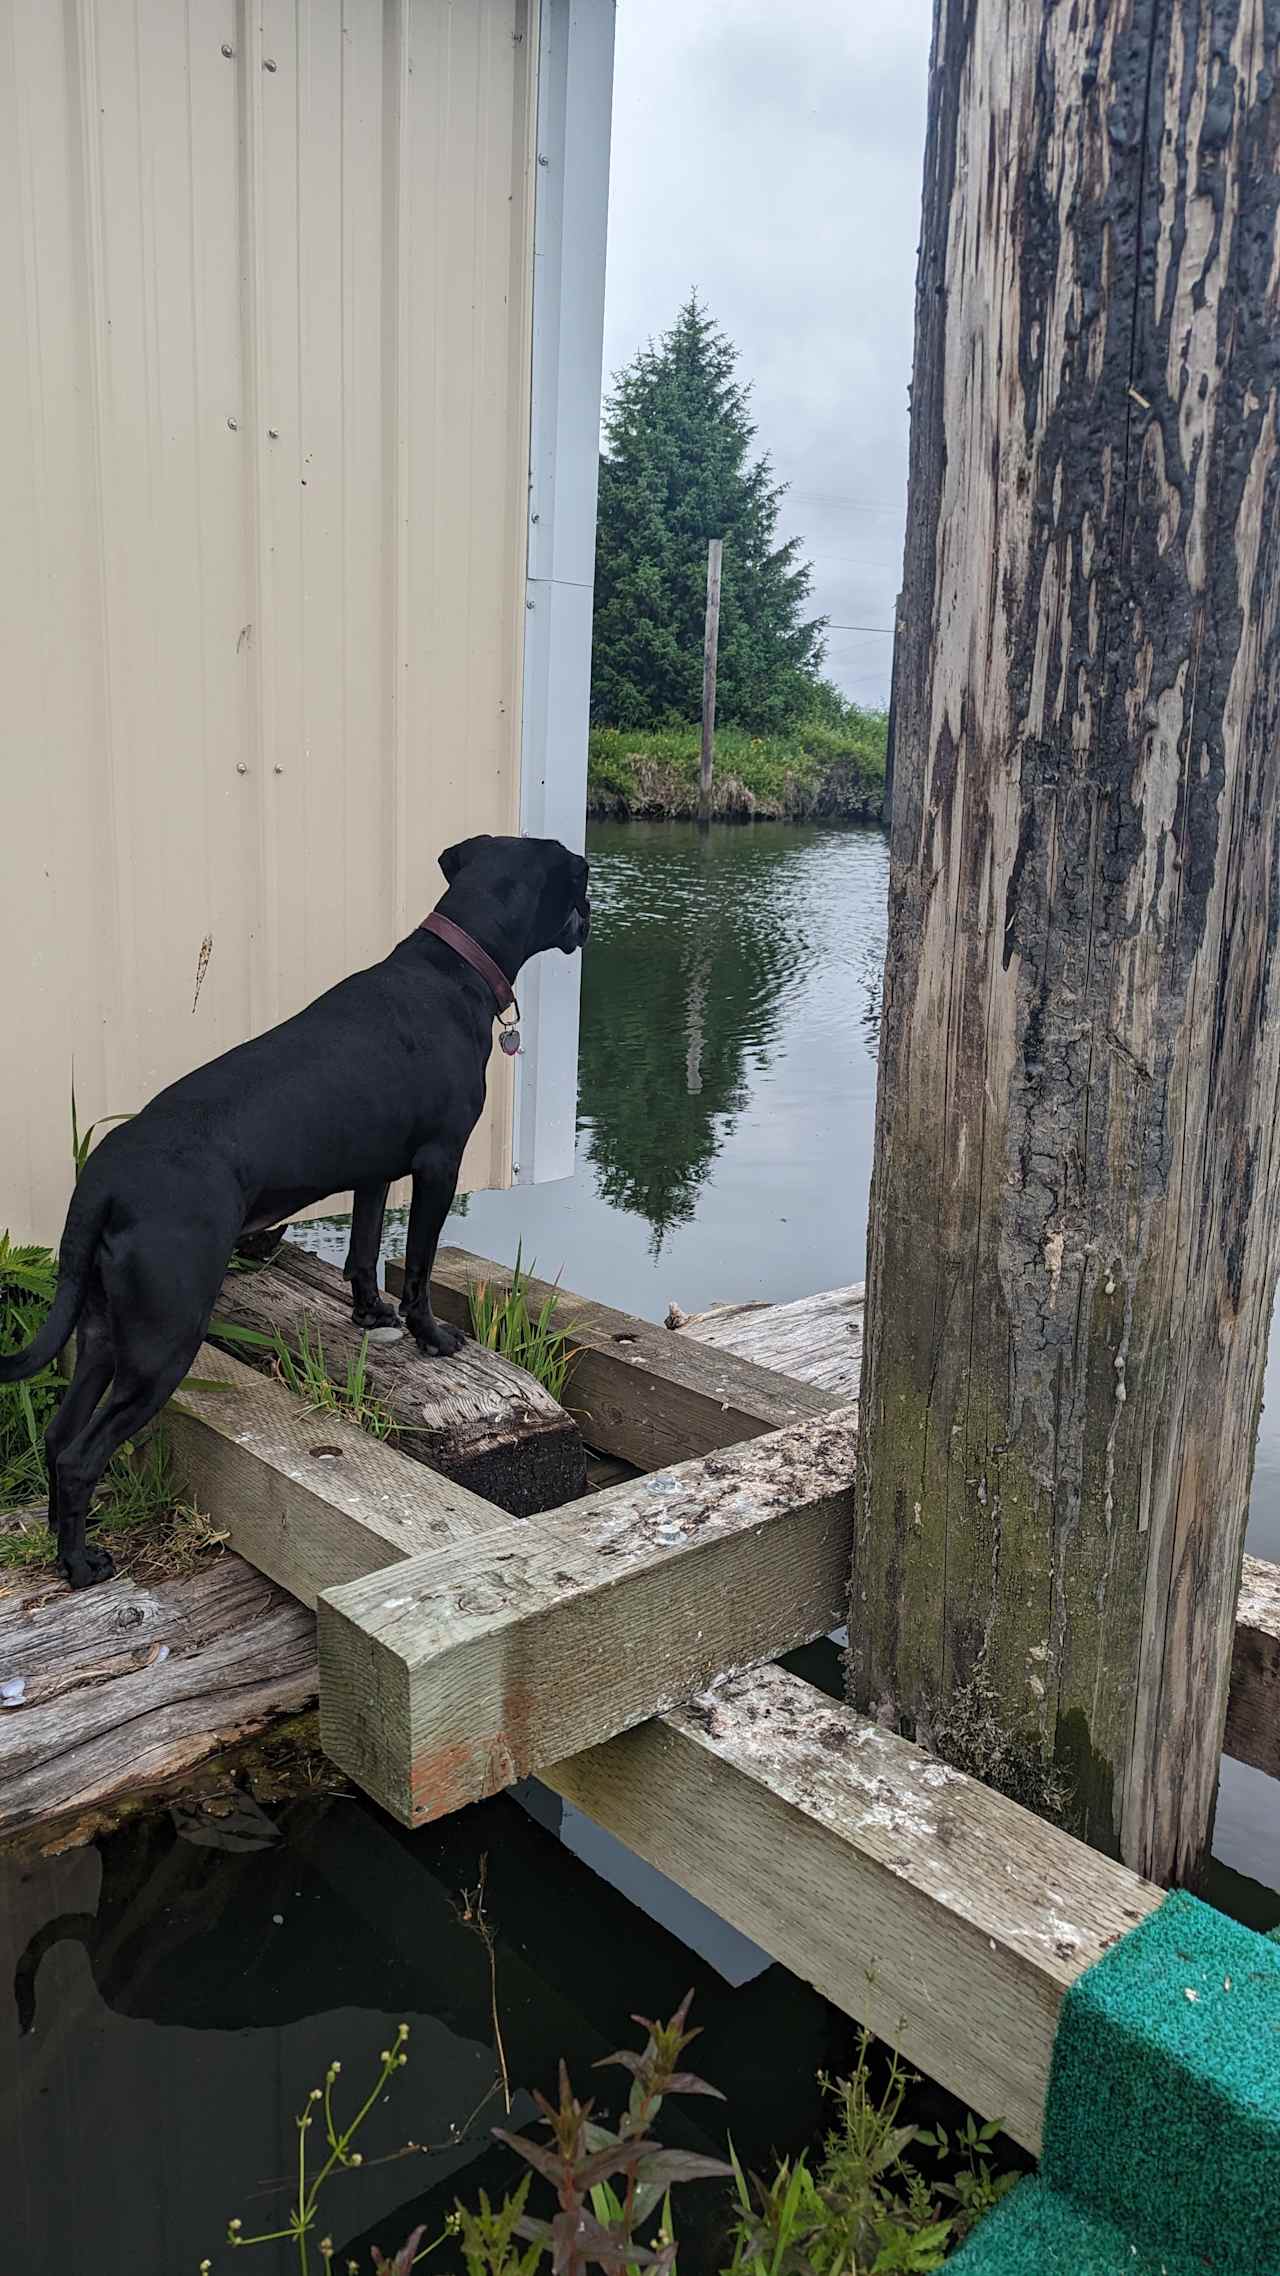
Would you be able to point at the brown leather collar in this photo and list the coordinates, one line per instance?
(471, 953)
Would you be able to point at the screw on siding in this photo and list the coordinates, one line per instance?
(528, 604)
(268, 63)
(241, 768)
(274, 434)
(232, 423)
(543, 161)
(277, 770)
(228, 50)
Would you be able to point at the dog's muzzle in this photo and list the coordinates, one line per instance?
(576, 930)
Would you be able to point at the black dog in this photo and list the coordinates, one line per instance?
(381, 1078)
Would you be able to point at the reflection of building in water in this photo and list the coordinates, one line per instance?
(676, 999)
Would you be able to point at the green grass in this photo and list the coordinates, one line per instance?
(307, 1373)
(503, 1321)
(28, 1277)
(862, 2207)
(823, 768)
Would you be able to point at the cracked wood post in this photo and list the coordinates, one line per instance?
(1075, 1214)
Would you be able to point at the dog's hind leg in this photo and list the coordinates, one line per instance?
(95, 1365)
(134, 1400)
(160, 1291)
(368, 1208)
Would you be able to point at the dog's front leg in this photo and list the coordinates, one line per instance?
(435, 1181)
(368, 1208)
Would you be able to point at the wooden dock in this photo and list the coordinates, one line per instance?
(461, 1649)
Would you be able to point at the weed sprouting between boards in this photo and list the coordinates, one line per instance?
(865, 2209)
(502, 1320)
(28, 1277)
(862, 2209)
(306, 1372)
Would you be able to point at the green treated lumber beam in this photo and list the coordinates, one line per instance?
(309, 1499)
(922, 1903)
(473, 1666)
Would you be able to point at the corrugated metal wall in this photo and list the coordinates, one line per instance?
(265, 273)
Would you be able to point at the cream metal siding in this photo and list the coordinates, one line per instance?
(266, 275)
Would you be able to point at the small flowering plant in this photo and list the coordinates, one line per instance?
(610, 2183)
(304, 2215)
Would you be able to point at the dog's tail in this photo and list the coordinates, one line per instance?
(75, 1263)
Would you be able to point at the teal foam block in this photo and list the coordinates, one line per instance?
(1039, 2232)
(1162, 2126)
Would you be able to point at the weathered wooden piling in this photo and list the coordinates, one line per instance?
(1075, 1217)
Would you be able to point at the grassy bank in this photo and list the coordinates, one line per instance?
(819, 770)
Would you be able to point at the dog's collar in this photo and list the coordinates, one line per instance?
(480, 961)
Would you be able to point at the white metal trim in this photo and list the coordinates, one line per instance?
(575, 86)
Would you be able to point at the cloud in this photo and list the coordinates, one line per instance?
(772, 158)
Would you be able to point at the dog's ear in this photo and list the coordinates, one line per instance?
(456, 857)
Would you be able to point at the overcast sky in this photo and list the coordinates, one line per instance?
(770, 156)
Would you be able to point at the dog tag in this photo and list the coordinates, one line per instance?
(509, 1040)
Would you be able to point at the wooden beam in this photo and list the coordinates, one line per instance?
(119, 1692)
(1253, 1707)
(918, 1901)
(815, 1339)
(310, 1500)
(1071, 1258)
(469, 1668)
(475, 1418)
(637, 1391)
(820, 1339)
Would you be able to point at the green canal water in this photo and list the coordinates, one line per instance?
(170, 1994)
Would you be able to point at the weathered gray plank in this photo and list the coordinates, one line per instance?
(930, 1908)
(474, 1418)
(1253, 1706)
(815, 1339)
(638, 1392)
(310, 1500)
(464, 1670)
(122, 1690)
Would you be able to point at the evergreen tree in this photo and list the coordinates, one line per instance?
(674, 473)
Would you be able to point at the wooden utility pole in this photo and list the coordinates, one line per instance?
(710, 644)
(886, 803)
(1076, 1201)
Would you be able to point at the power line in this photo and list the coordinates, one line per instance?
(885, 629)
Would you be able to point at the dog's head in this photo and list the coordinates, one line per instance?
(534, 887)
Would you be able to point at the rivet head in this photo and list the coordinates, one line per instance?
(241, 768)
(543, 161)
(233, 424)
(228, 50)
(268, 63)
(277, 770)
(274, 433)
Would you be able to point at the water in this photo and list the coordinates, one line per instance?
(183, 1997)
(728, 1067)
(731, 998)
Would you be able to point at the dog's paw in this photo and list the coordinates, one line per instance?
(367, 1317)
(434, 1340)
(86, 1566)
